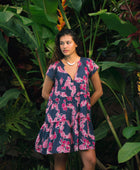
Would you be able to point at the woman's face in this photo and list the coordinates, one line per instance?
(67, 45)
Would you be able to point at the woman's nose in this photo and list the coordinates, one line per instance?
(65, 45)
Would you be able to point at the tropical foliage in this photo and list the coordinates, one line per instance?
(109, 31)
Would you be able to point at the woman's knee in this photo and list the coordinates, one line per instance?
(88, 158)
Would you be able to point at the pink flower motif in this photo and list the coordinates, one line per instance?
(45, 143)
(63, 118)
(39, 148)
(57, 100)
(73, 90)
(61, 81)
(67, 83)
(64, 147)
(85, 144)
(60, 69)
(81, 86)
(63, 88)
(91, 65)
(85, 78)
(37, 139)
(86, 71)
(64, 106)
(63, 94)
(69, 98)
(88, 106)
(79, 63)
(52, 66)
(50, 146)
(49, 117)
(83, 103)
(78, 79)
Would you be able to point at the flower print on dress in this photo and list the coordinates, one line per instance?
(85, 144)
(67, 127)
(61, 81)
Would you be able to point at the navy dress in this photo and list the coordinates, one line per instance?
(67, 126)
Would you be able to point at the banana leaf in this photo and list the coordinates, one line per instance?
(131, 66)
(103, 128)
(76, 5)
(9, 95)
(128, 150)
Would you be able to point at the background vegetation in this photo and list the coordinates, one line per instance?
(110, 33)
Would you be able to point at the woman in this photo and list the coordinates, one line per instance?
(68, 127)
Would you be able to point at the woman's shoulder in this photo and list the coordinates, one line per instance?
(86, 60)
(54, 64)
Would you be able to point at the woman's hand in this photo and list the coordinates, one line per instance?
(96, 82)
(47, 86)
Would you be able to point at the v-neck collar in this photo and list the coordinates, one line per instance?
(78, 64)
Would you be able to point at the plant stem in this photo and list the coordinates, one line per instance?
(113, 93)
(125, 112)
(11, 65)
(96, 29)
(41, 69)
(110, 123)
(82, 34)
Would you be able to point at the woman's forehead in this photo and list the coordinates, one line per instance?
(66, 38)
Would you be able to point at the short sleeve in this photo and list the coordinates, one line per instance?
(51, 72)
(93, 67)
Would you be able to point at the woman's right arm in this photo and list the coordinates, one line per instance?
(47, 86)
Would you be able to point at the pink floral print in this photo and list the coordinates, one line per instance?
(67, 126)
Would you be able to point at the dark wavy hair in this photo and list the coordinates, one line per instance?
(58, 55)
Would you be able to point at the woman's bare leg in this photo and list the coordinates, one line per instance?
(60, 161)
(89, 159)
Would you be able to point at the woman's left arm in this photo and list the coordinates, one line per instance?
(96, 82)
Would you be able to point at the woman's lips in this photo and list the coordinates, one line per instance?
(65, 51)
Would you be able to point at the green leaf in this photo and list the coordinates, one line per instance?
(126, 66)
(103, 128)
(127, 151)
(98, 13)
(40, 17)
(26, 21)
(114, 79)
(76, 5)
(113, 22)
(15, 27)
(3, 44)
(6, 16)
(51, 6)
(128, 132)
(9, 95)
(118, 41)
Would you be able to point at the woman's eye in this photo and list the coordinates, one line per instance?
(68, 42)
(61, 43)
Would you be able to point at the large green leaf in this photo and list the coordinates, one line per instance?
(8, 95)
(103, 128)
(128, 150)
(50, 5)
(113, 22)
(39, 16)
(6, 16)
(114, 79)
(76, 5)
(16, 117)
(3, 44)
(128, 132)
(131, 66)
(15, 27)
